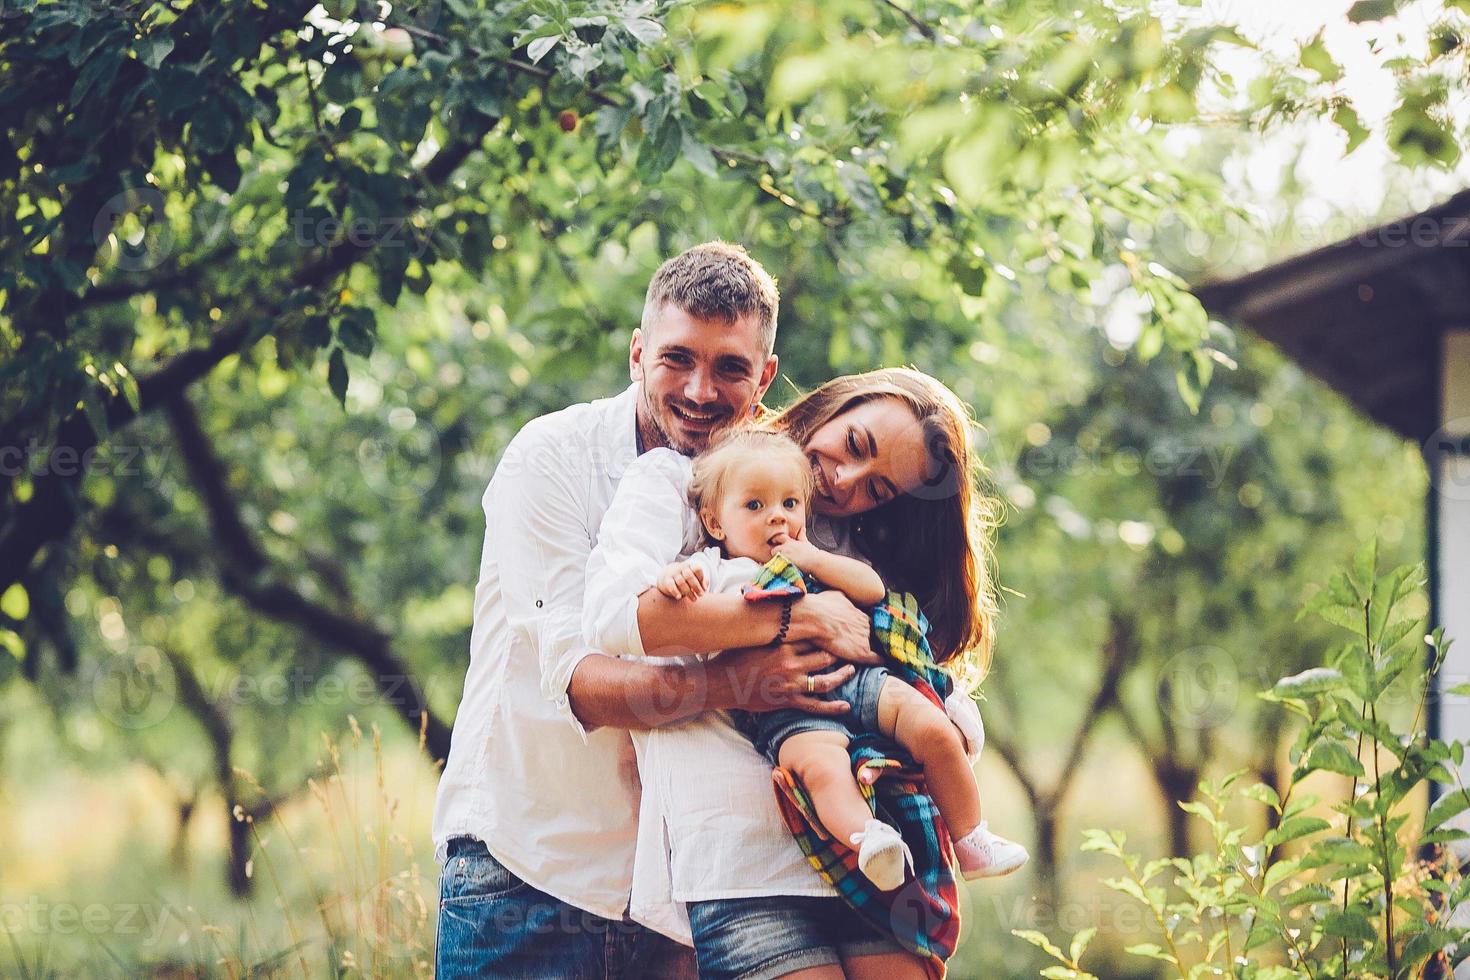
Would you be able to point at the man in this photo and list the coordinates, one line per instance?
(538, 805)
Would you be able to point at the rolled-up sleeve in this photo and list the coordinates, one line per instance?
(537, 528)
(646, 527)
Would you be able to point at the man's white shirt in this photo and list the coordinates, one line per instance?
(555, 804)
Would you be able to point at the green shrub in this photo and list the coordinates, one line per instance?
(1357, 888)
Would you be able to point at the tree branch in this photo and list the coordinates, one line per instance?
(917, 24)
(1012, 756)
(208, 474)
(1117, 654)
(52, 510)
(243, 570)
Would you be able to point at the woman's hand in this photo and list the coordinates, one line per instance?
(683, 580)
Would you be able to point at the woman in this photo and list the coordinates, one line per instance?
(895, 486)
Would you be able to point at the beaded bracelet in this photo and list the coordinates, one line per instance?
(786, 604)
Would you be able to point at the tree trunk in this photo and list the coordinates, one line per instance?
(1044, 858)
(179, 853)
(239, 851)
(1177, 782)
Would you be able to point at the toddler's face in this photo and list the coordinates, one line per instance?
(764, 505)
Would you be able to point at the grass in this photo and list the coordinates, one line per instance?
(344, 882)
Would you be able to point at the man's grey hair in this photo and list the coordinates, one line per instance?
(715, 281)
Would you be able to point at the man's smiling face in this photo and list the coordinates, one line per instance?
(696, 377)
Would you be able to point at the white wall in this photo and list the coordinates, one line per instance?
(1449, 454)
(1450, 496)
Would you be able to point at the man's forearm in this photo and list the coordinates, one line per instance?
(607, 691)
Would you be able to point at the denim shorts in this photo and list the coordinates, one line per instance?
(762, 938)
(768, 729)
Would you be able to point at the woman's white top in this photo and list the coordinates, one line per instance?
(708, 822)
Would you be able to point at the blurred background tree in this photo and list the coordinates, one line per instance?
(279, 281)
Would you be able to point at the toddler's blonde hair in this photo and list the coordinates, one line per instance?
(712, 467)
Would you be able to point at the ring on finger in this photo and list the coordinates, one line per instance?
(811, 684)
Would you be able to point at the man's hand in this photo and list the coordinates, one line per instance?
(771, 677)
(831, 622)
(683, 580)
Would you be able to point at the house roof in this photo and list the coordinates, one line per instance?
(1366, 314)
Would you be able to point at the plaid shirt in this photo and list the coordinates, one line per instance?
(924, 914)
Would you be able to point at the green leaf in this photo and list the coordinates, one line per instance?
(1080, 943)
(969, 273)
(646, 31)
(1106, 841)
(1317, 680)
(1332, 756)
(356, 328)
(1447, 807)
(1365, 566)
(1365, 11)
(699, 156)
(1357, 670)
(1337, 850)
(1418, 134)
(1352, 924)
(1152, 950)
(1395, 664)
(1347, 120)
(541, 47)
(154, 48)
(1307, 893)
(1314, 55)
(1283, 869)
(1262, 793)
(129, 386)
(337, 375)
(1294, 828)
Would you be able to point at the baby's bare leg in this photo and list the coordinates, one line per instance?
(820, 761)
(921, 727)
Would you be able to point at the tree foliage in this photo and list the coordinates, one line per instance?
(183, 180)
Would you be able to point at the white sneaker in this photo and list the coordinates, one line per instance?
(981, 854)
(882, 854)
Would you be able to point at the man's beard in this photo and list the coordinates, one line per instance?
(654, 433)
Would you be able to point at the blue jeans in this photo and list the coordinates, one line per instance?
(493, 924)
(765, 938)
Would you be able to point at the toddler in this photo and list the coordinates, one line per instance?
(751, 492)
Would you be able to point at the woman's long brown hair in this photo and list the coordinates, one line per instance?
(935, 541)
